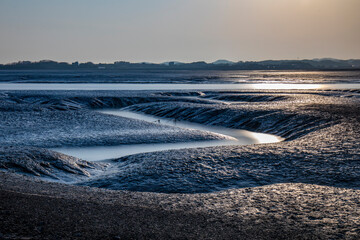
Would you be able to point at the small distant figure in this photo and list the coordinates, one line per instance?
(158, 120)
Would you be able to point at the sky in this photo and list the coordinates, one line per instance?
(178, 30)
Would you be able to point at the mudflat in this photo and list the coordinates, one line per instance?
(303, 188)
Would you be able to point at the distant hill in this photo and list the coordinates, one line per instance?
(172, 63)
(313, 64)
(224, 62)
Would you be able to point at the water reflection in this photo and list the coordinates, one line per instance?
(265, 138)
(289, 86)
(234, 136)
(150, 86)
(99, 153)
(240, 136)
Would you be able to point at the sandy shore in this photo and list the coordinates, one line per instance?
(33, 209)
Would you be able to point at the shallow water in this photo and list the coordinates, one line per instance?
(170, 86)
(179, 76)
(97, 153)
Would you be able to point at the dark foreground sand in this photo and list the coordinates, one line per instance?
(34, 209)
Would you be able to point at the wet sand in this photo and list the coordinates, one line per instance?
(34, 209)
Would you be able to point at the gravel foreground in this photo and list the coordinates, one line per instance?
(34, 209)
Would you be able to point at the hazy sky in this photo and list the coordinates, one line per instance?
(182, 30)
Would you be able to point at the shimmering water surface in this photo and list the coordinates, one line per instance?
(176, 80)
(178, 76)
(166, 86)
(237, 137)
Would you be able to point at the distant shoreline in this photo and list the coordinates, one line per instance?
(278, 65)
(161, 69)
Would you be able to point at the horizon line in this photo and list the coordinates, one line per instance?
(176, 61)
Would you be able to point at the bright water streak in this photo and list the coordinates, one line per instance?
(150, 86)
(97, 153)
(243, 136)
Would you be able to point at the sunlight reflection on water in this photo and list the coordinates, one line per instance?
(265, 138)
(284, 86)
(151, 86)
(235, 137)
(241, 136)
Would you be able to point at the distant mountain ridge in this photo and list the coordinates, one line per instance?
(223, 61)
(222, 64)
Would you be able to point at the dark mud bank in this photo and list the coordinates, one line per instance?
(289, 125)
(47, 164)
(321, 132)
